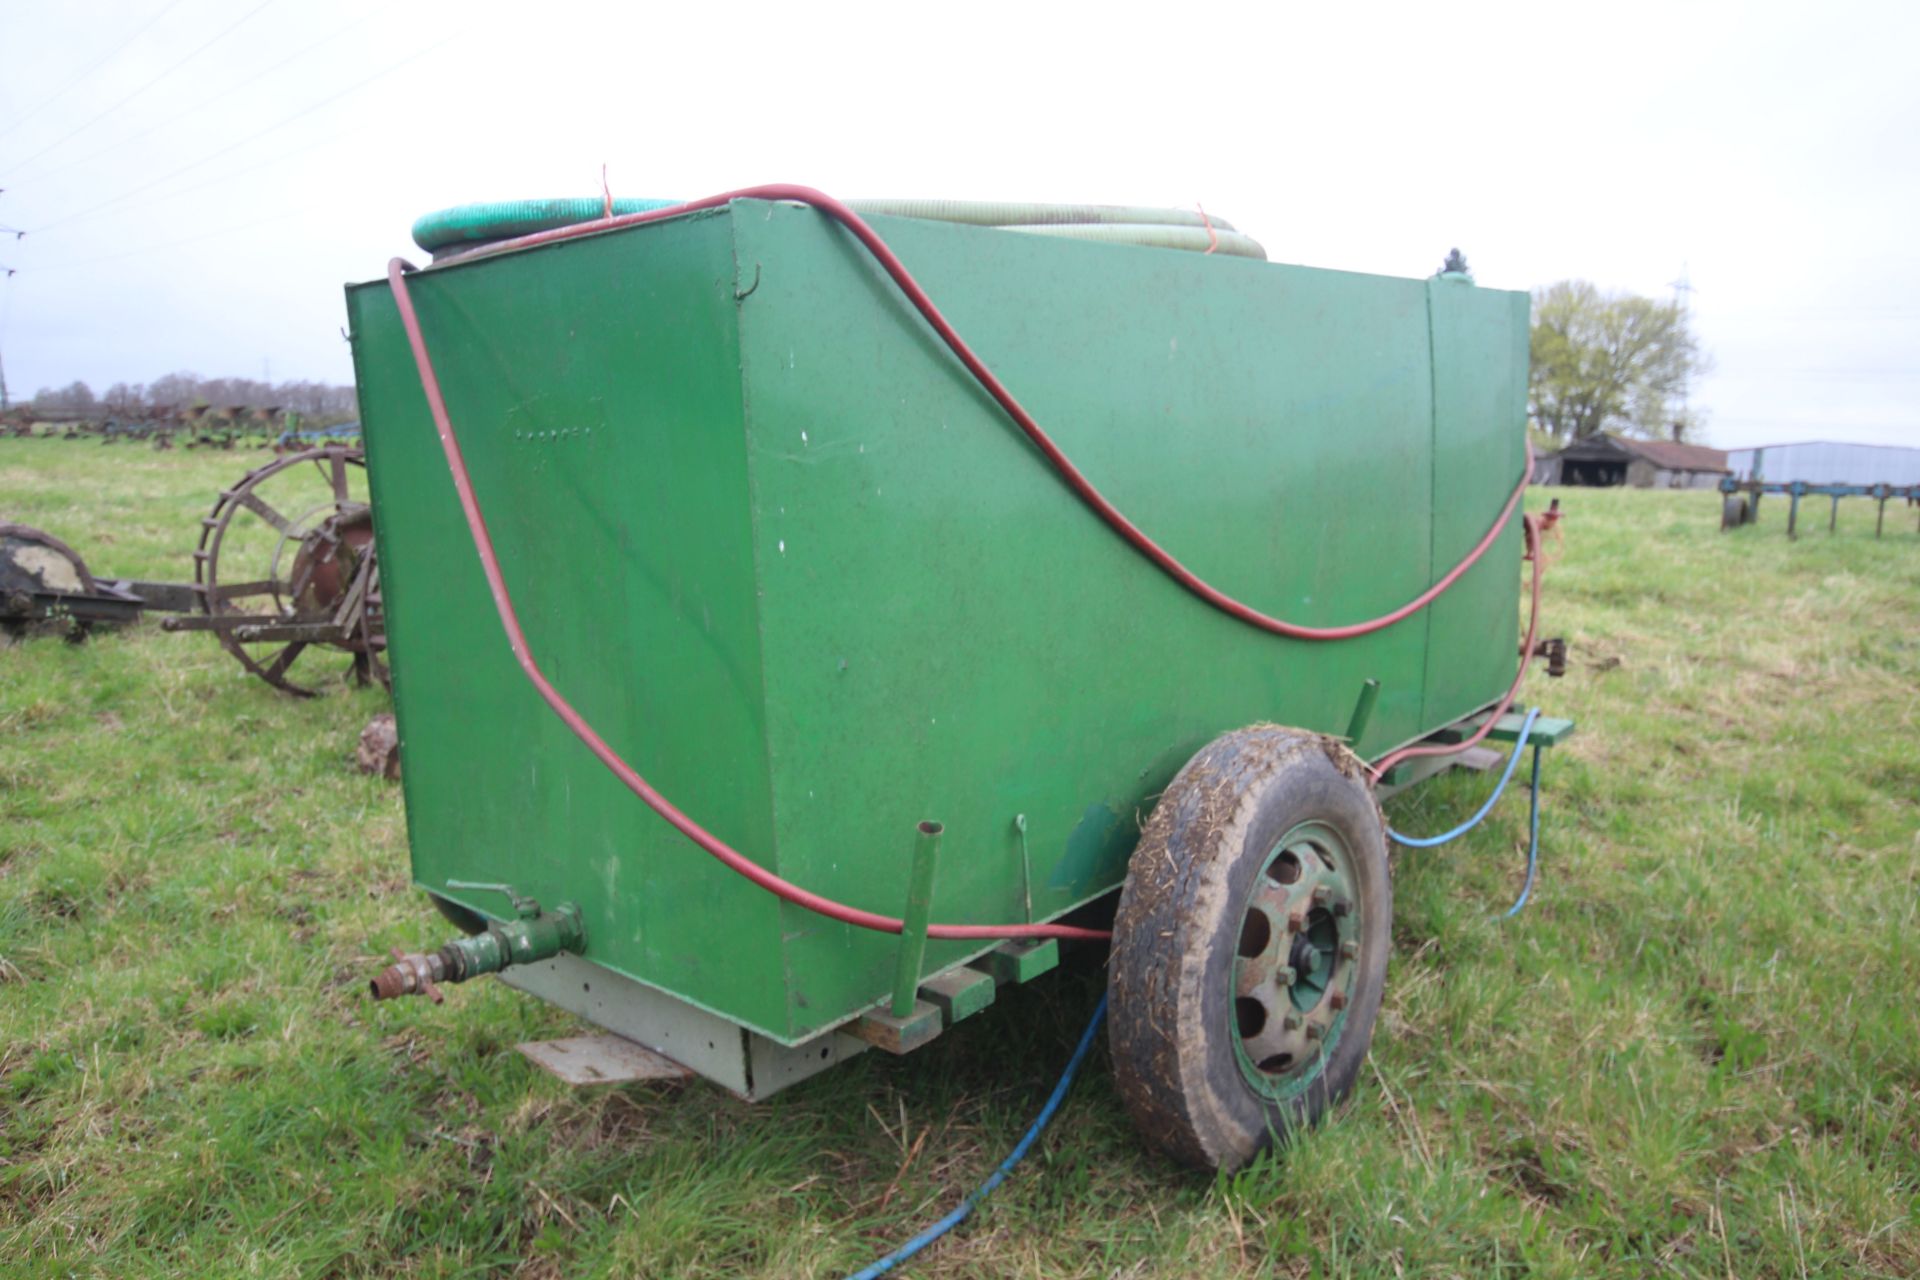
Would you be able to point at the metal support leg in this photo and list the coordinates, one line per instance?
(1834, 518)
(1362, 712)
(913, 931)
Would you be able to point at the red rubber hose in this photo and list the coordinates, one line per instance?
(1530, 529)
(397, 270)
(1076, 481)
(517, 639)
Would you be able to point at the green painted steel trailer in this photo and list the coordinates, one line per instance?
(776, 544)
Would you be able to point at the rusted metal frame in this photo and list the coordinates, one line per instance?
(282, 660)
(255, 628)
(164, 597)
(48, 605)
(225, 593)
(354, 598)
(270, 631)
(265, 510)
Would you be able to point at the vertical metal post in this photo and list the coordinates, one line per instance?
(1362, 712)
(913, 929)
(1834, 519)
(1793, 509)
(1880, 519)
(1026, 865)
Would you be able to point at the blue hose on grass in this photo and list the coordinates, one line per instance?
(967, 1206)
(1533, 817)
(1533, 838)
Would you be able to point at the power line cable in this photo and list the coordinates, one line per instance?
(230, 90)
(171, 244)
(224, 32)
(252, 137)
(73, 81)
(277, 158)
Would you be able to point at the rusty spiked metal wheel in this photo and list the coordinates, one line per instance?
(286, 565)
(1250, 948)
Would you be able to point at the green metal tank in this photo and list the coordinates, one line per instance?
(775, 543)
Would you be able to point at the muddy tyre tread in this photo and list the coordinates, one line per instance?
(1176, 927)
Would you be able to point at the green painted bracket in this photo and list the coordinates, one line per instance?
(1548, 731)
(959, 993)
(1362, 710)
(1020, 960)
(913, 925)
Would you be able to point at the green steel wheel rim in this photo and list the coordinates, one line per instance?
(1296, 961)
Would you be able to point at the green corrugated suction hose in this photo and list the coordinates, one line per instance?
(1008, 213)
(452, 231)
(1153, 236)
(470, 224)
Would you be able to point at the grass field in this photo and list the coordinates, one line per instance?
(1697, 1053)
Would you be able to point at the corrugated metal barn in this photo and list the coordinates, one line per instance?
(1827, 462)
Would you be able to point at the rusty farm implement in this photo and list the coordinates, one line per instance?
(284, 568)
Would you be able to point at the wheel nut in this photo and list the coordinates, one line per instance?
(1315, 1031)
(1291, 1022)
(1349, 949)
(1284, 975)
(1342, 907)
(1296, 922)
(1337, 1001)
(1320, 894)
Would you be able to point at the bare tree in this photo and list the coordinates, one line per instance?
(75, 397)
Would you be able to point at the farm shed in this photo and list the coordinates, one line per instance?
(1606, 460)
(1827, 462)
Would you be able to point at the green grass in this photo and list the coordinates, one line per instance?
(1696, 1053)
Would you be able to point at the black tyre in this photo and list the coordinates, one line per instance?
(1250, 949)
(1734, 511)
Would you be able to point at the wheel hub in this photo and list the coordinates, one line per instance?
(1294, 972)
(1304, 957)
(328, 558)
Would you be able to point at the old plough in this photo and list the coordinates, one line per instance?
(283, 566)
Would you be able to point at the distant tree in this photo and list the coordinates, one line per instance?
(174, 391)
(123, 399)
(1610, 362)
(75, 397)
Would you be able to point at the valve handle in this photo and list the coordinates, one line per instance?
(525, 908)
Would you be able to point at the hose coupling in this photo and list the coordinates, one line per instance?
(532, 936)
(411, 974)
(1554, 650)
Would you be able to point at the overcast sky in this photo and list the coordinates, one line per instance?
(199, 177)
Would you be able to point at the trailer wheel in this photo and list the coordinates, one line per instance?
(1250, 949)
